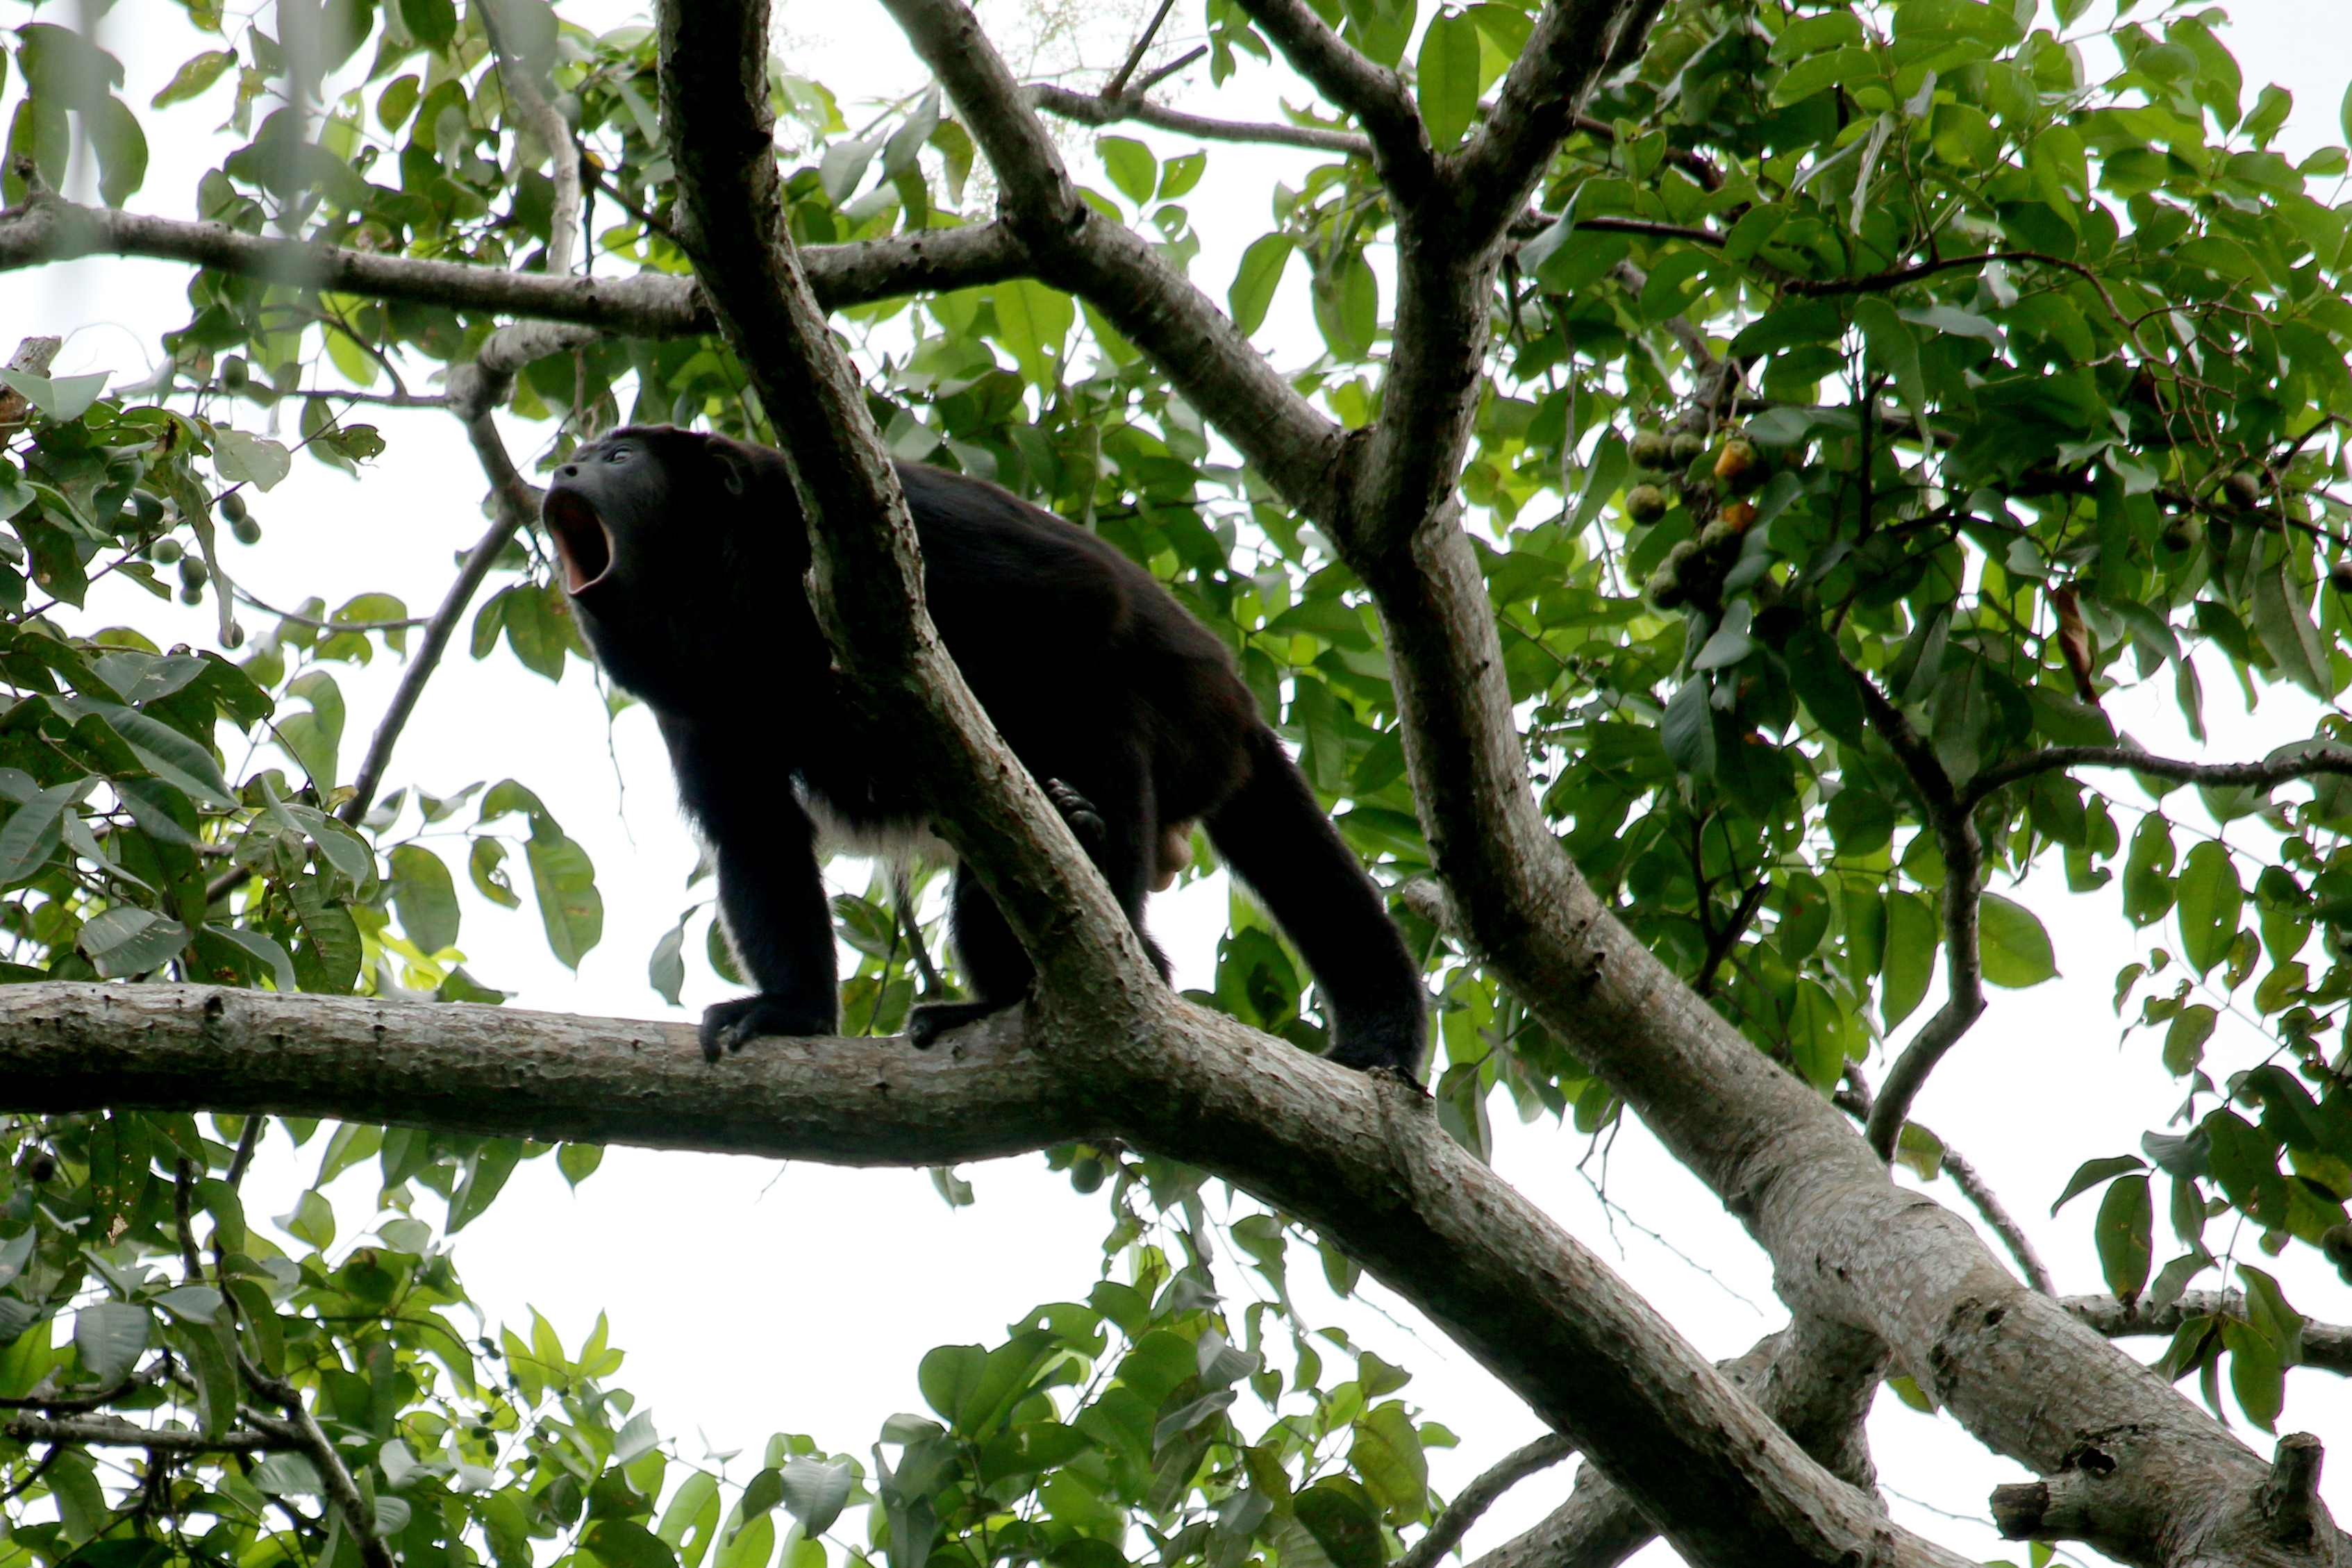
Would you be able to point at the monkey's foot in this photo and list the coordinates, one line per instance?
(932, 1019)
(1399, 1050)
(726, 1025)
(1079, 812)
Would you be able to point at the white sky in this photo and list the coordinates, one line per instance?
(752, 1298)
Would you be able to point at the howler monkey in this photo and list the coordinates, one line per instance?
(684, 555)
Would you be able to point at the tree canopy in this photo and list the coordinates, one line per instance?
(1735, 460)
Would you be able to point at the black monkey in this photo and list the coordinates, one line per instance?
(684, 555)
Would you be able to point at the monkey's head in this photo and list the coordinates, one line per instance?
(663, 535)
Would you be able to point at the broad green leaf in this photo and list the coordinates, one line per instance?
(2014, 948)
(426, 896)
(569, 908)
(1446, 78)
(110, 1337)
(2124, 1235)
(1253, 284)
(195, 74)
(815, 1491)
(2092, 1172)
(1130, 165)
(2210, 898)
(1913, 935)
(249, 459)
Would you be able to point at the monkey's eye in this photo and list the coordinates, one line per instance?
(620, 454)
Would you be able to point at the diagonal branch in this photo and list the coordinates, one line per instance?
(1573, 43)
(1374, 93)
(1088, 110)
(1854, 1097)
(1446, 1530)
(1155, 307)
(554, 131)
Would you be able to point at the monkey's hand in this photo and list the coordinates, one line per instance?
(1080, 812)
(726, 1025)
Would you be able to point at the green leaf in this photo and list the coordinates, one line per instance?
(1341, 1522)
(1687, 729)
(1033, 323)
(665, 970)
(2013, 947)
(127, 940)
(195, 74)
(2147, 871)
(1912, 934)
(313, 738)
(2211, 899)
(538, 626)
(2125, 1233)
(121, 147)
(266, 948)
(577, 1162)
(2281, 612)
(65, 399)
(433, 22)
(619, 1543)
(485, 1174)
(1254, 282)
(111, 1337)
(569, 905)
(426, 897)
(1180, 174)
(241, 459)
(34, 830)
(1130, 165)
(486, 864)
(2091, 1173)
(815, 1491)
(1386, 1453)
(1446, 81)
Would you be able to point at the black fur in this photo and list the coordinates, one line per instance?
(685, 553)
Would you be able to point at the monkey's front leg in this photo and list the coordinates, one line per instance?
(772, 896)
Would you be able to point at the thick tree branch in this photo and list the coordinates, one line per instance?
(1573, 43)
(2301, 760)
(1375, 95)
(1091, 110)
(648, 305)
(1852, 1096)
(1158, 310)
(2327, 1347)
(1359, 1157)
(1446, 1530)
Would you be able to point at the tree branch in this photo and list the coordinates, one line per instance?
(117, 1434)
(1955, 828)
(50, 228)
(1573, 43)
(2301, 760)
(301, 1430)
(551, 129)
(2327, 1347)
(1089, 109)
(475, 390)
(1156, 308)
(1852, 1096)
(1375, 95)
(1359, 1157)
(1446, 1530)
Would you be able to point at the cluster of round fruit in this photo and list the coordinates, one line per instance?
(1693, 569)
(149, 516)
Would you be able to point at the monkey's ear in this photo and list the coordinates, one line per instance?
(731, 477)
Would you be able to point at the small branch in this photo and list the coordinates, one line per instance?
(2289, 1501)
(1988, 1203)
(2271, 772)
(513, 502)
(316, 625)
(1719, 947)
(1104, 110)
(550, 126)
(1963, 854)
(123, 1434)
(1117, 83)
(1375, 95)
(247, 1141)
(1446, 1530)
(299, 1430)
(2327, 1347)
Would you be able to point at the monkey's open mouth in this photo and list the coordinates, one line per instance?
(580, 540)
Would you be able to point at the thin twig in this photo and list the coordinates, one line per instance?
(1117, 83)
(2265, 774)
(1446, 1530)
(315, 623)
(301, 1430)
(247, 1141)
(512, 503)
(1091, 110)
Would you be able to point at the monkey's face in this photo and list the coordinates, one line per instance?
(640, 524)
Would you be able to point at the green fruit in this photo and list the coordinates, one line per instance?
(191, 573)
(1665, 588)
(1646, 503)
(1684, 552)
(1686, 448)
(2179, 533)
(234, 638)
(164, 552)
(1717, 538)
(1649, 449)
(247, 530)
(232, 506)
(192, 596)
(2244, 489)
(234, 374)
(2339, 576)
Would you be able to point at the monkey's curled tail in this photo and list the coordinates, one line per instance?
(1275, 837)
